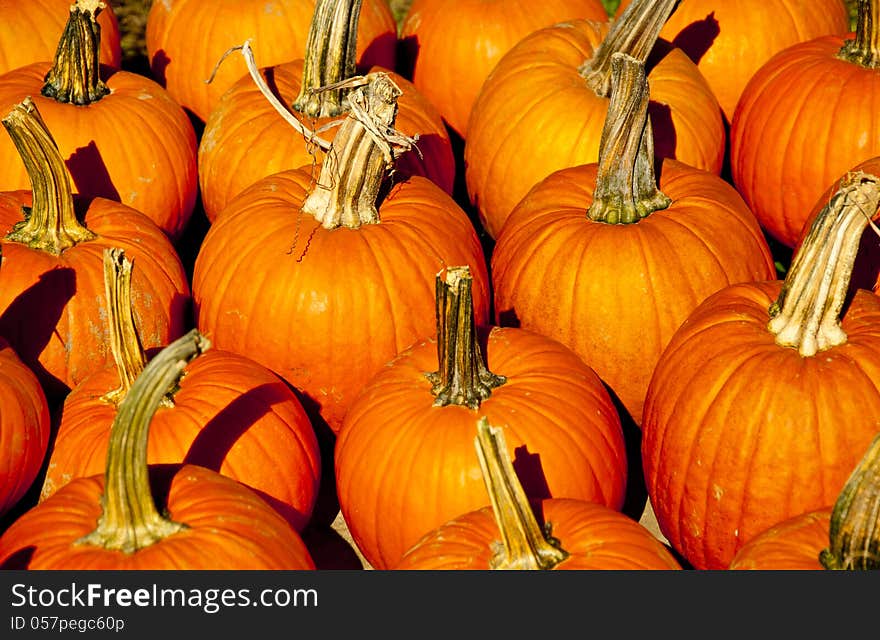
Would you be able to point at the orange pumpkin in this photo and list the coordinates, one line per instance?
(212, 522)
(349, 268)
(121, 135)
(760, 405)
(514, 533)
(450, 71)
(610, 261)
(404, 457)
(538, 110)
(182, 57)
(52, 300)
(228, 414)
(806, 116)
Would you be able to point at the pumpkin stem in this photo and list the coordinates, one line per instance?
(50, 224)
(806, 315)
(75, 73)
(363, 151)
(130, 520)
(524, 544)
(626, 186)
(462, 378)
(855, 519)
(330, 58)
(635, 33)
(864, 49)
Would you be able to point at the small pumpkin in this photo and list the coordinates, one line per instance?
(182, 517)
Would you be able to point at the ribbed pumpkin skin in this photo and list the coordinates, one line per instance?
(185, 40)
(230, 527)
(535, 115)
(325, 310)
(596, 537)
(245, 139)
(791, 545)
(804, 119)
(52, 309)
(450, 71)
(134, 145)
(615, 294)
(740, 434)
(230, 415)
(404, 467)
(31, 30)
(730, 39)
(24, 428)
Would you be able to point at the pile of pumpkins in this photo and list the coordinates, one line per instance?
(489, 280)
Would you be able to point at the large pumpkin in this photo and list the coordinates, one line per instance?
(322, 278)
(806, 116)
(229, 414)
(52, 308)
(183, 56)
(609, 261)
(767, 395)
(404, 457)
(122, 136)
(208, 521)
(543, 106)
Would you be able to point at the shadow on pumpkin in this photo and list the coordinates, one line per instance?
(89, 173)
(697, 38)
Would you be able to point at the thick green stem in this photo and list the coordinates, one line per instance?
(364, 149)
(50, 224)
(524, 544)
(855, 520)
(462, 378)
(635, 33)
(626, 185)
(130, 519)
(864, 49)
(75, 75)
(330, 58)
(806, 315)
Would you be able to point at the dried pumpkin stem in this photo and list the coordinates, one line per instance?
(864, 49)
(635, 33)
(50, 224)
(626, 186)
(524, 544)
(130, 519)
(363, 151)
(75, 74)
(806, 315)
(462, 377)
(854, 538)
(330, 58)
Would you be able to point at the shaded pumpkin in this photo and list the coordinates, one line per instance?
(228, 414)
(182, 517)
(404, 458)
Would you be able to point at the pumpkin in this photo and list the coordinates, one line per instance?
(324, 278)
(450, 71)
(515, 534)
(844, 536)
(404, 456)
(182, 58)
(609, 260)
(52, 308)
(804, 118)
(207, 521)
(765, 397)
(729, 40)
(122, 136)
(228, 414)
(246, 139)
(543, 106)
(24, 428)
